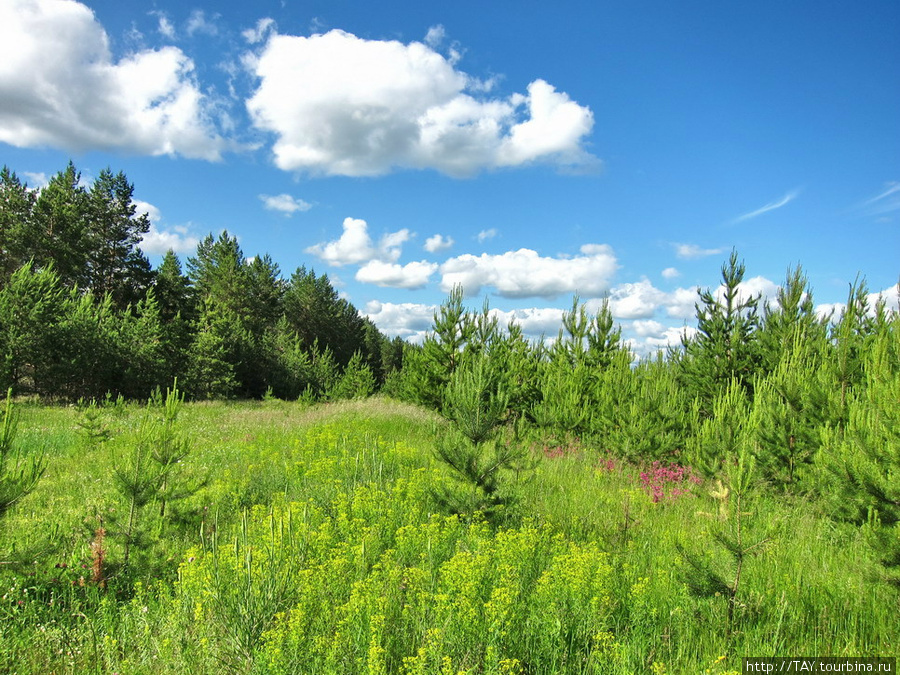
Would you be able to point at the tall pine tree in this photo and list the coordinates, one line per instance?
(725, 347)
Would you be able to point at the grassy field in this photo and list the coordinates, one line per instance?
(298, 539)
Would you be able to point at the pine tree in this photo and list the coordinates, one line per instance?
(177, 314)
(849, 337)
(479, 461)
(16, 206)
(443, 349)
(725, 345)
(141, 349)
(791, 407)
(57, 232)
(643, 413)
(604, 339)
(290, 369)
(357, 380)
(264, 293)
(320, 316)
(31, 305)
(724, 434)
(218, 274)
(720, 570)
(863, 458)
(211, 372)
(173, 290)
(84, 363)
(115, 264)
(18, 476)
(791, 318)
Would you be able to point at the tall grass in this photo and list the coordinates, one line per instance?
(316, 548)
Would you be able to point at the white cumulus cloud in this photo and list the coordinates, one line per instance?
(165, 27)
(36, 180)
(437, 243)
(534, 321)
(524, 273)
(154, 215)
(158, 242)
(670, 273)
(890, 296)
(681, 302)
(411, 276)
(648, 327)
(60, 87)
(635, 300)
(285, 203)
(356, 246)
(407, 320)
(199, 23)
(435, 36)
(338, 104)
(648, 344)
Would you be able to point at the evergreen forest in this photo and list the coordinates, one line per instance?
(212, 468)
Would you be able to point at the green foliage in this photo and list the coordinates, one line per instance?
(91, 426)
(82, 313)
(864, 459)
(452, 329)
(115, 264)
(580, 385)
(290, 366)
(18, 475)
(473, 400)
(211, 372)
(16, 205)
(154, 470)
(790, 320)
(56, 231)
(723, 435)
(357, 380)
(849, 337)
(730, 530)
(31, 306)
(87, 347)
(725, 347)
(352, 571)
(644, 413)
(791, 407)
(477, 407)
(561, 408)
(323, 320)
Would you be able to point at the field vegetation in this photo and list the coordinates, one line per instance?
(227, 472)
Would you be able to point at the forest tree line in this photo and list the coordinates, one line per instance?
(84, 315)
(770, 392)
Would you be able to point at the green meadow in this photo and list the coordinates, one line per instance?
(283, 537)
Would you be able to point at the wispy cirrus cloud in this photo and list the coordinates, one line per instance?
(484, 235)
(886, 201)
(771, 206)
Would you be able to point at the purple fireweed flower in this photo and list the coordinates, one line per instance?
(668, 481)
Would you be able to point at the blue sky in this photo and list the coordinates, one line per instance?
(526, 150)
